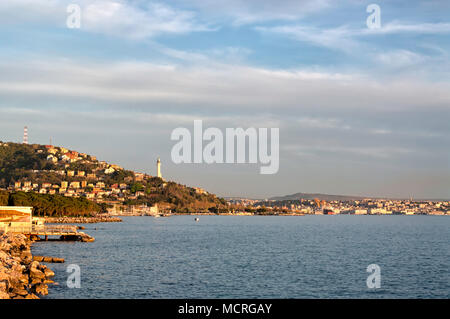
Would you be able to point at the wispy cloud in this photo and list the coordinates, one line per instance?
(242, 12)
(345, 38)
(215, 85)
(119, 18)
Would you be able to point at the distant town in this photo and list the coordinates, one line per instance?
(352, 207)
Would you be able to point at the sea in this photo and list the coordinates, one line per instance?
(327, 256)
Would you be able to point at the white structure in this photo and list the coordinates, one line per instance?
(25, 135)
(158, 168)
(16, 219)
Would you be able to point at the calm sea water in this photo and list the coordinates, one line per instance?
(257, 257)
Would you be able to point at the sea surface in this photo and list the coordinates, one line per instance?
(257, 257)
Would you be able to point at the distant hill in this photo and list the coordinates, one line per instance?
(325, 197)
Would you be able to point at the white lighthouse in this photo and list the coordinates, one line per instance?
(158, 168)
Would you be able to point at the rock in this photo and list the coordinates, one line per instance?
(49, 273)
(38, 258)
(33, 265)
(4, 295)
(37, 274)
(19, 291)
(21, 275)
(35, 281)
(41, 289)
(26, 256)
(24, 279)
(57, 260)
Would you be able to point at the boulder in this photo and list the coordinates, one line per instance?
(36, 274)
(19, 291)
(41, 289)
(49, 273)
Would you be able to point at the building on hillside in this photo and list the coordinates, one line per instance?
(139, 177)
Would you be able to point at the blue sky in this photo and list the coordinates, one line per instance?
(360, 111)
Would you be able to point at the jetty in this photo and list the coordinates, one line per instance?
(65, 232)
(19, 220)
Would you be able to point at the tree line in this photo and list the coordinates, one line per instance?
(51, 205)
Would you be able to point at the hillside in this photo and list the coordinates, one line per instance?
(51, 170)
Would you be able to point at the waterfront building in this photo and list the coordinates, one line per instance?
(15, 218)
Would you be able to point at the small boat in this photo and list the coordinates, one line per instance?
(197, 219)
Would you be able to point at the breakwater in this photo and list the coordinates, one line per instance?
(82, 220)
(21, 277)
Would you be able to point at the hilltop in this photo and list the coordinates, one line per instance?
(52, 170)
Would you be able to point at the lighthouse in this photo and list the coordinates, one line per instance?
(158, 168)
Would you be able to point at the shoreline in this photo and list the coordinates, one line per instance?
(82, 220)
(21, 277)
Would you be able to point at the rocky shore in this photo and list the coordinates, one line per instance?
(20, 276)
(82, 220)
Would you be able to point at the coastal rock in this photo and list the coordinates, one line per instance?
(41, 289)
(37, 274)
(20, 277)
(4, 294)
(49, 273)
(19, 291)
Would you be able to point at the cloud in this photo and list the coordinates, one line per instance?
(335, 38)
(118, 18)
(215, 86)
(363, 151)
(347, 39)
(241, 12)
(400, 58)
(399, 27)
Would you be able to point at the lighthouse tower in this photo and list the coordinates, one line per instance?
(158, 168)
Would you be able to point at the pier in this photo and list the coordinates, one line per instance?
(65, 232)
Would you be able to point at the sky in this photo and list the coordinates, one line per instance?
(360, 111)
